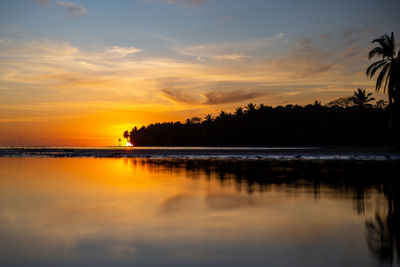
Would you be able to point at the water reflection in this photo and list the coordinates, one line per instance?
(124, 212)
(357, 178)
(383, 235)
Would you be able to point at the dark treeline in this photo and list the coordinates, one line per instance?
(261, 125)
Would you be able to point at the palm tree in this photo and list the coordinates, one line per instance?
(388, 66)
(361, 99)
(223, 115)
(208, 118)
(126, 135)
(239, 112)
(389, 76)
(250, 108)
(317, 104)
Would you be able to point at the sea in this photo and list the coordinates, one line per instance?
(186, 206)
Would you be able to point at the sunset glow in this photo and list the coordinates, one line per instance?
(128, 144)
(81, 76)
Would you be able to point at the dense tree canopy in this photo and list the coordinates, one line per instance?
(272, 126)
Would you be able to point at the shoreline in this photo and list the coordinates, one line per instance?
(210, 153)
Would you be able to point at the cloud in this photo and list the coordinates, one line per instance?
(326, 36)
(178, 95)
(123, 51)
(181, 3)
(73, 9)
(307, 59)
(224, 97)
(348, 33)
(43, 2)
(233, 57)
(44, 70)
(185, 3)
(235, 50)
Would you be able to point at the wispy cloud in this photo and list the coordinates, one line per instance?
(181, 3)
(73, 9)
(178, 95)
(224, 97)
(43, 2)
(123, 51)
(185, 3)
(45, 70)
(235, 50)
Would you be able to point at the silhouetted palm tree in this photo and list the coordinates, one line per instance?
(208, 118)
(317, 104)
(239, 112)
(251, 107)
(224, 115)
(388, 66)
(389, 76)
(126, 135)
(361, 99)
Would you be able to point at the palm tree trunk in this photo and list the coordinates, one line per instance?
(394, 125)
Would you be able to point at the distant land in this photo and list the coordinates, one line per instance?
(337, 124)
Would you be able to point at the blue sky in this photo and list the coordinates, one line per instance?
(112, 65)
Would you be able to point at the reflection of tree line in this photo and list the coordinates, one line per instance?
(355, 179)
(383, 233)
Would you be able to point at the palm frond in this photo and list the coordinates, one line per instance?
(369, 98)
(381, 77)
(376, 51)
(374, 67)
(387, 45)
(382, 41)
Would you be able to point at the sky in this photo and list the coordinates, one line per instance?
(79, 73)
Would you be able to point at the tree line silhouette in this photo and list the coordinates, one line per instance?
(358, 123)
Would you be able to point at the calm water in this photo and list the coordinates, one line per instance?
(132, 212)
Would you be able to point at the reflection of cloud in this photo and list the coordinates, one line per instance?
(175, 203)
(225, 201)
(73, 9)
(223, 97)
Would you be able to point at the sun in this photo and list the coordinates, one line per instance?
(129, 144)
